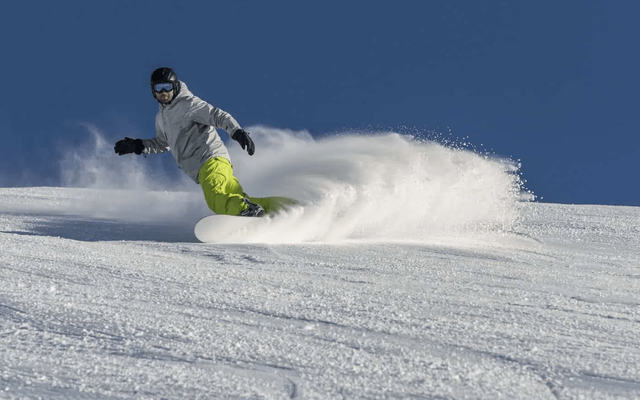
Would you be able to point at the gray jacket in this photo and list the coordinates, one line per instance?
(186, 126)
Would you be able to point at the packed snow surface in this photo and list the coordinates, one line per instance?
(412, 270)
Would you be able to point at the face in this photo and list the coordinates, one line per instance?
(164, 97)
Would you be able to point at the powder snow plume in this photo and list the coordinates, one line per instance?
(363, 187)
(129, 187)
(377, 187)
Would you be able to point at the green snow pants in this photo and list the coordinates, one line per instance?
(223, 192)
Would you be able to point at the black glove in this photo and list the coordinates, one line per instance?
(128, 145)
(241, 136)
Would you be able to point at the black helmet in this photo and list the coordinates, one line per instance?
(165, 75)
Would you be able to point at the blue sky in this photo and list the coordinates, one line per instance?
(551, 83)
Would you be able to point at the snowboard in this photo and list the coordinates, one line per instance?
(226, 228)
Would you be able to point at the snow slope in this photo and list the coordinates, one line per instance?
(453, 289)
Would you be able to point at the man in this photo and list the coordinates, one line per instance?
(186, 125)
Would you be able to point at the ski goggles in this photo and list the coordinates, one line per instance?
(166, 86)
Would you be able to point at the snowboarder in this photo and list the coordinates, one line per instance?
(186, 125)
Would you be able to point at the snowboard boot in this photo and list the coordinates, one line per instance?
(253, 210)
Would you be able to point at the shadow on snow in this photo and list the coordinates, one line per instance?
(94, 230)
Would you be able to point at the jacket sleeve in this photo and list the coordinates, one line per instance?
(156, 145)
(206, 114)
